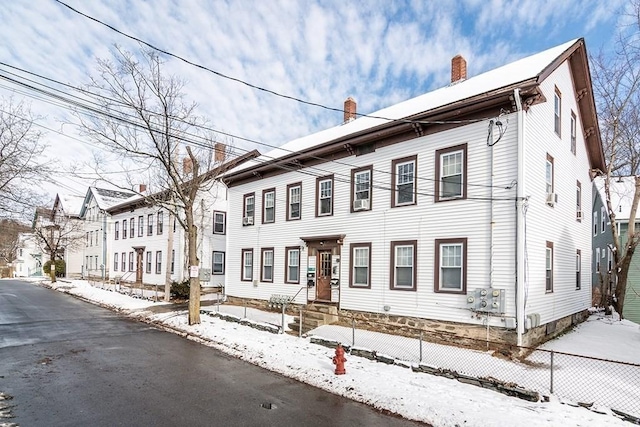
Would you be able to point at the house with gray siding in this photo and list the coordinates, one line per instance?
(460, 210)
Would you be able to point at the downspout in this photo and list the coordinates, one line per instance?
(104, 244)
(519, 252)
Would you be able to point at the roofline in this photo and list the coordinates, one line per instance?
(144, 200)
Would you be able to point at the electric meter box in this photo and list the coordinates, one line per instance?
(487, 300)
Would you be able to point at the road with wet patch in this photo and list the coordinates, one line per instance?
(66, 362)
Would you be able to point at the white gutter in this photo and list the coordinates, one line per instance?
(520, 191)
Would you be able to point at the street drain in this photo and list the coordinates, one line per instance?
(268, 405)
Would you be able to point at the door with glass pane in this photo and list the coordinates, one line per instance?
(323, 281)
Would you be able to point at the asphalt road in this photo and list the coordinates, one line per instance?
(66, 362)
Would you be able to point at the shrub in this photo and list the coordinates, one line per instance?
(61, 267)
(180, 290)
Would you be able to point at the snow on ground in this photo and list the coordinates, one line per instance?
(416, 396)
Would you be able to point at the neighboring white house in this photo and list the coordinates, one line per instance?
(147, 244)
(29, 256)
(96, 253)
(460, 210)
(66, 214)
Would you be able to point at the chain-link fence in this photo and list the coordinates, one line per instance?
(579, 379)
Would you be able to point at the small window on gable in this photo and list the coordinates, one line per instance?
(451, 169)
(404, 185)
(294, 201)
(557, 112)
(573, 132)
(361, 186)
(219, 222)
(269, 206)
(248, 209)
(324, 196)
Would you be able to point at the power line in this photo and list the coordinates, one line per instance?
(195, 125)
(253, 86)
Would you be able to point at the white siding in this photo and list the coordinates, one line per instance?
(423, 222)
(556, 224)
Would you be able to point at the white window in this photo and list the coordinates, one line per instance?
(293, 265)
(150, 225)
(451, 265)
(130, 261)
(609, 261)
(573, 132)
(405, 182)
(140, 226)
(549, 267)
(403, 269)
(267, 265)
(595, 223)
(219, 220)
(578, 198)
(557, 111)
(132, 228)
(218, 263)
(158, 262)
(603, 218)
(360, 274)
(115, 261)
(598, 260)
(149, 262)
(549, 175)
(294, 192)
(451, 175)
(325, 196)
(160, 221)
(361, 181)
(124, 228)
(248, 209)
(247, 264)
(578, 268)
(116, 229)
(123, 261)
(269, 206)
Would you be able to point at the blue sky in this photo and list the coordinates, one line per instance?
(379, 52)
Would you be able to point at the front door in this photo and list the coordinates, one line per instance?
(323, 280)
(139, 263)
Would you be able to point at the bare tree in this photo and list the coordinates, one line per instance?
(21, 164)
(617, 88)
(10, 240)
(148, 123)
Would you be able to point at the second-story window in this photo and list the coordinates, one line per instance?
(219, 220)
(132, 227)
(603, 218)
(450, 173)
(361, 189)
(160, 221)
(324, 199)
(116, 229)
(573, 132)
(578, 201)
(140, 226)
(294, 199)
(124, 228)
(248, 209)
(549, 175)
(150, 225)
(404, 181)
(269, 206)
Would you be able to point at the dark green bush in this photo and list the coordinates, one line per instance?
(61, 267)
(180, 290)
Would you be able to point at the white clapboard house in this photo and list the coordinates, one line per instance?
(462, 207)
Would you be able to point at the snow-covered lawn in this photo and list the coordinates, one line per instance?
(417, 396)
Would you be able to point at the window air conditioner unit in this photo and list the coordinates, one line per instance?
(552, 199)
(578, 215)
(361, 205)
(247, 220)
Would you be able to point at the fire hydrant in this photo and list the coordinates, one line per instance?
(339, 360)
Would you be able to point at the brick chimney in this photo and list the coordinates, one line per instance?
(187, 165)
(458, 69)
(220, 152)
(141, 188)
(349, 109)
